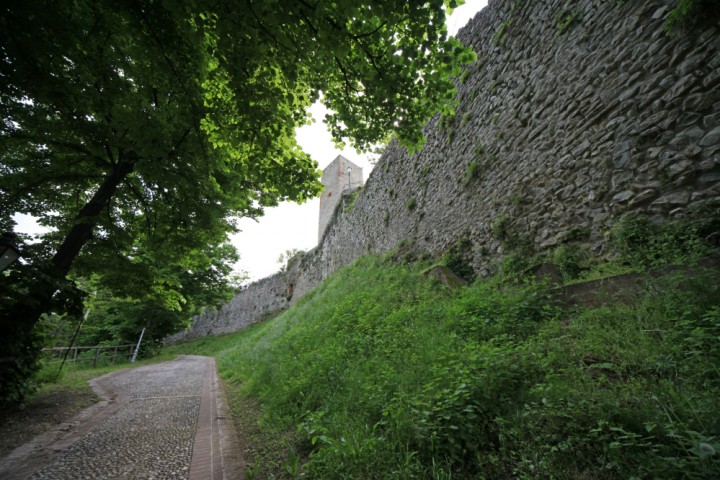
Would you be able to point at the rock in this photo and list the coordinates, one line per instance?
(673, 199)
(545, 272)
(446, 276)
(712, 138)
(642, 197)
(623, 196)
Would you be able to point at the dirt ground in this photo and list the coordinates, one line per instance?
(42, 412)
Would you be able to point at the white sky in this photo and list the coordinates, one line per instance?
(289, 225)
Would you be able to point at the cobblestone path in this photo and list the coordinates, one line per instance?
(157, 413)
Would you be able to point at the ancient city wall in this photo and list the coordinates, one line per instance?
(575, 113)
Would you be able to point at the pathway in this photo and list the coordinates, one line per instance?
(161, 421)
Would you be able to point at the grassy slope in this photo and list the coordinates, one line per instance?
(383, 374)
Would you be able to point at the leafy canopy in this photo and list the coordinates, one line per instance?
(194, 109)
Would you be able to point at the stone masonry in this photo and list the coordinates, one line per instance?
(574, 114)
(339, 177)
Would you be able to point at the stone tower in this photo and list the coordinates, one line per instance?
(340, 177)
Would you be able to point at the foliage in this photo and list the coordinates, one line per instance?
(382, 375)
(500, 226)
(472, 171)
(564, 20)
(570, 260)
(139, 131)
(411, 203)
(350, 200)
(689, 15)
(499, 37)
(285, 258)
(646, 244)
(458, 259)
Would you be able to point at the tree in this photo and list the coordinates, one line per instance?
(140, 129)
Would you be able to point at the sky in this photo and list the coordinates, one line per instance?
(289, 225)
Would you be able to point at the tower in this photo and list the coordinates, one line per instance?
(340, 177)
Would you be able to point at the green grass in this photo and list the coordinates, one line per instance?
(381, 373)
(75, 377)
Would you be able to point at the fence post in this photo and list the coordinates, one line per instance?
(114, 355)
(132, 360)
(97, 354)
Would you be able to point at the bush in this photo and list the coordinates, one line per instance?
(642, 243)
(570, 260)
(689, 15)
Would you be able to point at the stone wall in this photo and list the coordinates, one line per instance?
(575, 113)
(253, 303)
(336, 180)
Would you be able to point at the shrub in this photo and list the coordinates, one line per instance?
(457, 258)
(500, 226)
(570, 260)
(411, 203)
(692, 14)
(642, 243)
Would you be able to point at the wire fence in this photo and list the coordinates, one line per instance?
(98, 354)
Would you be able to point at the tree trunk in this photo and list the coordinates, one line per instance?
(81, 231)
(20, 313)
(43, 289)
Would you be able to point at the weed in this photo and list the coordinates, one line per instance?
(515, 263)
(465, 75)
(500, 226)
(472, 171)
(349, 201)
(495, 118)
(479, 150)
(564, 20)
(570, 260)
(446, 122)
(498, 38)
(457, 259)
(578, 233)
(690, 15)
(411, 203)
(641, 242)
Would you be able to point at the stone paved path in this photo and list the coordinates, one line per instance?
(162, 421)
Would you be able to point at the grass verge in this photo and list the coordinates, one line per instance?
(381, 373)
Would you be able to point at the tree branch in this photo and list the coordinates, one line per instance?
(81, 231)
